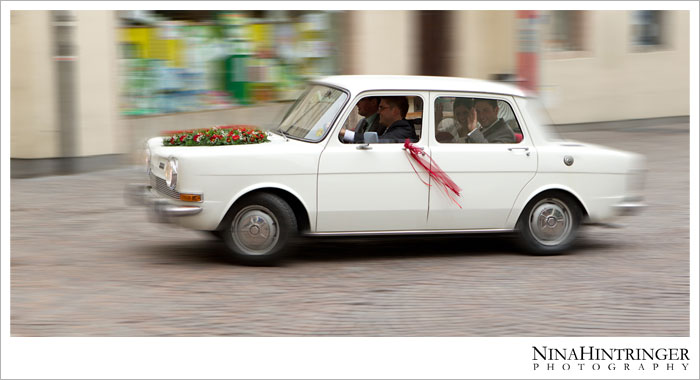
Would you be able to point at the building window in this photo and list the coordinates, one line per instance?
(647, 28)
(563, 30)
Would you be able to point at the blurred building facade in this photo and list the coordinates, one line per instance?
(85, 83)
(64, 92)
(179, 61)
(592, 65)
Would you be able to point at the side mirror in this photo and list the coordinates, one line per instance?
(371, 138)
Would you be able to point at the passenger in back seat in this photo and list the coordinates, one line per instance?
(458, 126)
(493, 129)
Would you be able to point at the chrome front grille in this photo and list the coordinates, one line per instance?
(161, 187)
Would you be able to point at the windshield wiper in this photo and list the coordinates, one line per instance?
(281, 133)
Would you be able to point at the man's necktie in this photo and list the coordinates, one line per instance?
(363, 126)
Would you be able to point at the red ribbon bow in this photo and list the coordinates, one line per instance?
(440, 177)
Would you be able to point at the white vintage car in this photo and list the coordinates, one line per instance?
(309, 180)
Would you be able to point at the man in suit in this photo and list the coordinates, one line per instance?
(366, 107)
(493, 129)
(392, 113)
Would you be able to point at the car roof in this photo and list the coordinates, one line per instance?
(359, 83)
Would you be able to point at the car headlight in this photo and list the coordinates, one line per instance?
(171, 173)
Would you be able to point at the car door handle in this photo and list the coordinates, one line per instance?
(364, 147)
(422, 149)
(524, 149)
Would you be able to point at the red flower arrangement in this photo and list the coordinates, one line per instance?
(225, 135)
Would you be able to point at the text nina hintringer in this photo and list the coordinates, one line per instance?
(580, 358)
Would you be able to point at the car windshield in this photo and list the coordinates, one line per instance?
(312, 114)
(539, 113)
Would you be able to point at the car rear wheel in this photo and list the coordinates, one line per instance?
(549, 224)
(259, 229)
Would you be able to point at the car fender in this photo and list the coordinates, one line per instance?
(527, 194)
(270, 185)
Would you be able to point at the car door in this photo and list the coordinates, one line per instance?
(367, 188)
(491, 175)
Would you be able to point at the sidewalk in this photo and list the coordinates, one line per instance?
(659, 122)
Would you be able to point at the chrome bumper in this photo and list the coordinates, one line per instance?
(629, 207)
(162, 209)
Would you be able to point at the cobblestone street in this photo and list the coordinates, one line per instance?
(83, 263)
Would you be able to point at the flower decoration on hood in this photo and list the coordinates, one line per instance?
(224, 135)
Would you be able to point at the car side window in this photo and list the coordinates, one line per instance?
(475, 120)
(394, 118)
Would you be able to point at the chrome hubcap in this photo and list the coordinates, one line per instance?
(550, 222)
(255, 230)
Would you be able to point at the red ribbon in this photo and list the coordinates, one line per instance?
(440, 177)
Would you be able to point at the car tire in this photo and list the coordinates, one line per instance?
(258, 230)
(549, 224)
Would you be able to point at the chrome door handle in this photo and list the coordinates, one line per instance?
(422, 149)
(524, 149)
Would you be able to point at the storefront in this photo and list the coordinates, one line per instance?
(180, 61)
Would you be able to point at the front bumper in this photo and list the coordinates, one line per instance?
(162, 209)
(630, 206)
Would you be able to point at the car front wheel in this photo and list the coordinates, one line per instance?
(259, 229)
(549, 224)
